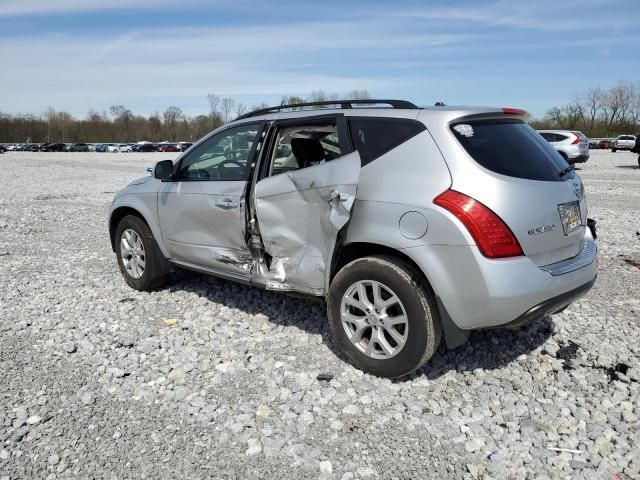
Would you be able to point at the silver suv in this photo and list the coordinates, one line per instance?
(572, 145)
(412, 223)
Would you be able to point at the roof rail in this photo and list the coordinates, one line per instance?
(342, 104)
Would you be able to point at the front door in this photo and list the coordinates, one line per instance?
(303, 202)
(202, 212)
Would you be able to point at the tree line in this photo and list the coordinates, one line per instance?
(598, 112)
(120, 125)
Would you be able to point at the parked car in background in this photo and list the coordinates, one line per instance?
(624, 142)
(53, 147)
(143, 147)
(167, 147)
(184, 146)
(594, 145)
(79, 147)
(124, 148)
(412, 223)
(572, 145)
(100, 148)
(32, 147)
(605, 144)
(113, 148)
(3, 149)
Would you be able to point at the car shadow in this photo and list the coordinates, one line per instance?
(490, 349)
(629, 167)
(485, 349)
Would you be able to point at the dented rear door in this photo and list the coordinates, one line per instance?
(300, 214)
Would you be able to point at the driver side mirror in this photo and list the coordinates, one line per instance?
(163, 170)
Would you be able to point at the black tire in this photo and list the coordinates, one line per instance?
(152, 276)
(424, 326)
(613, 150)
(638, 161)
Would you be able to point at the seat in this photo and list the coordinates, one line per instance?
(308, 151)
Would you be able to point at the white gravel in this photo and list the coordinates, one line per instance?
(95, 384)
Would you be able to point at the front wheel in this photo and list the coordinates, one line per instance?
(138, 255)
(383, 316)
(613, 150)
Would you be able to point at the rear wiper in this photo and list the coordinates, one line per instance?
(564, 171)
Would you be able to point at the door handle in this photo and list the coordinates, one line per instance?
(226, 204)
(341, 197)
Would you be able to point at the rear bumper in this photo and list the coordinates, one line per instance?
(580, 158)
(551, 306)
(477, 292)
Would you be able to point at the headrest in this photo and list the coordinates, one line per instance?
(307, 151)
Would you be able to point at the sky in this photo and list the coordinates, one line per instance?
(78, 55)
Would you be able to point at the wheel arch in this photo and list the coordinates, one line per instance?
(116, 216)
(352, 251)
(453, 335)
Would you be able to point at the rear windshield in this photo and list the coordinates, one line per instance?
(626, 137)
(512, 148)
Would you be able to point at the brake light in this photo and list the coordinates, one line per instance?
(577, 140)
(514, 111)
(492, 236)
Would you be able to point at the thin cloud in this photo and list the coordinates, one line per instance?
(539, 15)
(34, 7)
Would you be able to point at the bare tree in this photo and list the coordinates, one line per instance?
(172, 117)
(593, 100)
(359, 95)
(617, 102)
(241, 109)
(634, 111)
(50, 115)
(227, 108)
(214, 103)
(214, 110)
(321, 96)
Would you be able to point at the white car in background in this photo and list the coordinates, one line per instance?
(124, 148)
(571, 144)
(113, 148)
(624, 142)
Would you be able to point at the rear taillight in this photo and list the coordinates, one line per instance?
(514, 111)
(492, 236)
(577, 140)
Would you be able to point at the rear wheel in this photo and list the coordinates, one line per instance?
(138, 255)
(383, 316)
(613, 150)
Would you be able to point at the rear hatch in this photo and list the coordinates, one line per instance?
(626, 141)
(583, 145)
(526, 182)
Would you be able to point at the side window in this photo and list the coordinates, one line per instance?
(373, 137)
(303, 146)
(224, 156)
(560, 137)
(549, 137)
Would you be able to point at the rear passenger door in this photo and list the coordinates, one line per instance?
(304, 198)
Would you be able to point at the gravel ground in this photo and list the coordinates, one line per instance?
(95, 382)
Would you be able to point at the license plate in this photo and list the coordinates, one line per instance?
(570, 216)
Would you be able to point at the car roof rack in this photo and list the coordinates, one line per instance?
(346, 104)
